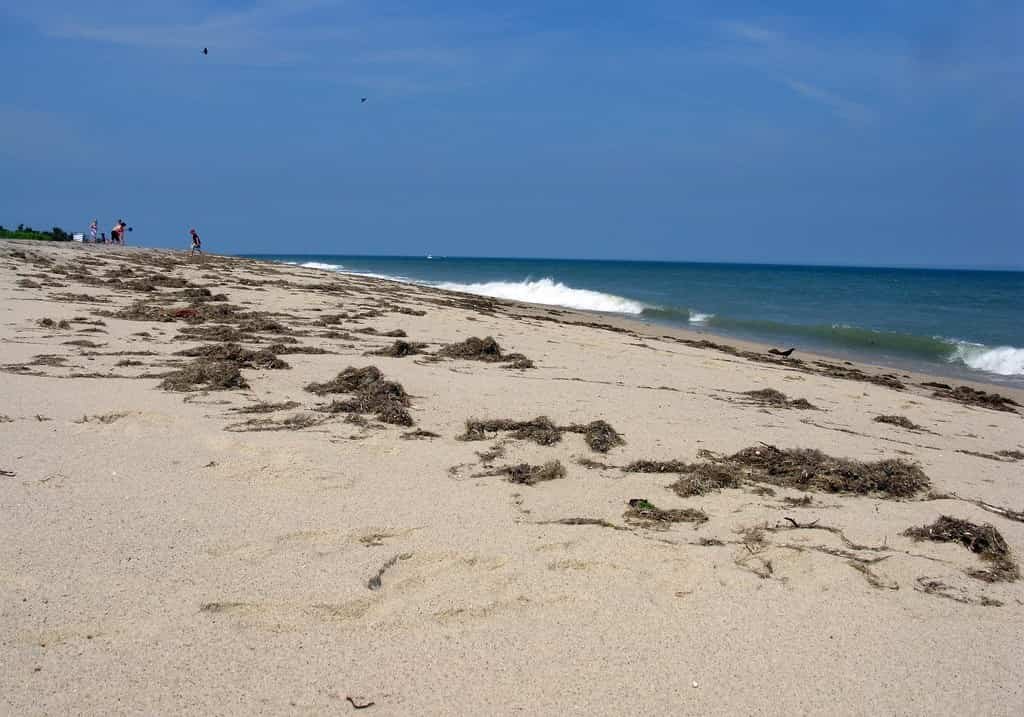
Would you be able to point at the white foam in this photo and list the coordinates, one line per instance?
(320, 265)
(1002, 360)
(389, 277)
(550, 292)
(697, 317)
(340, 269)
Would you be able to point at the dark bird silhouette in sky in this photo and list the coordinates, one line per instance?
(361, 101)
(205, 51)
(783, 354)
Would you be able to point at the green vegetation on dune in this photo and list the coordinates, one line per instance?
(24, 232)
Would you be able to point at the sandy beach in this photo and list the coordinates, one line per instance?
(203, 512)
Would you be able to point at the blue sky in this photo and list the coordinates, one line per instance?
(857, 133)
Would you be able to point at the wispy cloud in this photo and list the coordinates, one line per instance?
(782, 58)
(751, 32)
(349, 40)
(847, 109)
(262, 28)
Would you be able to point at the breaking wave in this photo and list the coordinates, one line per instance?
(550, 292)
(318, 265)
(1001, 360)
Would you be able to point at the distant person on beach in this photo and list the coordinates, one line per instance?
(117, 233)
(197, 245)
(93, 228)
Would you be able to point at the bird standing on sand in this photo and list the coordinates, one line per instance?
(783, 354)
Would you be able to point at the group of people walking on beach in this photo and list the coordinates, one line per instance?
(118, 230)
(116, 233)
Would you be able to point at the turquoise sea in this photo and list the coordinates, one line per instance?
(955, 322)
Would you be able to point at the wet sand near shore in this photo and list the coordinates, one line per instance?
(230, 486)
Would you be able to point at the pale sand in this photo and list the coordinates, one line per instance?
(159, 564)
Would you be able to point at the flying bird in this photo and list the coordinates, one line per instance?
(205, 51)
(361, 101)
(784, 354)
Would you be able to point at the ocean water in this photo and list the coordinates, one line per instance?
(959, 323)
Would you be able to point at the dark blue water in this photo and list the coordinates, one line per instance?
(967, 323)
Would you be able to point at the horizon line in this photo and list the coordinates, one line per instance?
(823, 265)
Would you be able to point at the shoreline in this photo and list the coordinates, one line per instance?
(230, 486)
(654, 329)
(946, 371)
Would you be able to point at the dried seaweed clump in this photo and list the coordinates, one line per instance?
(201, 312)
(474, 349)
(106, 418)
(540, 430)
(330, 319)
(217, 332)
(394, 333)
(973, 397)
(83, 343)
(265, 407)
(141, 311)
(198, 313)
(827, 368)
(204, 373)
(71, 297)
(292, 423)
(704, 478)
(200, 294)
(398, 308)
(419, 435)
(777, 399)
(808, 469)
(982, 540)
(901, 421)
(169, 282)
(296, 348)
(1013, 455)
(48, 323)
(520, 363)
(647, 466)
(982, 454)
(47, 360)
(592, 464)
(348, 381)
(599, 435)
(370, 394)
(646, 514)
(399, 349)
(485, 349)
(527, 474)
(142, 285)
(241, 357)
